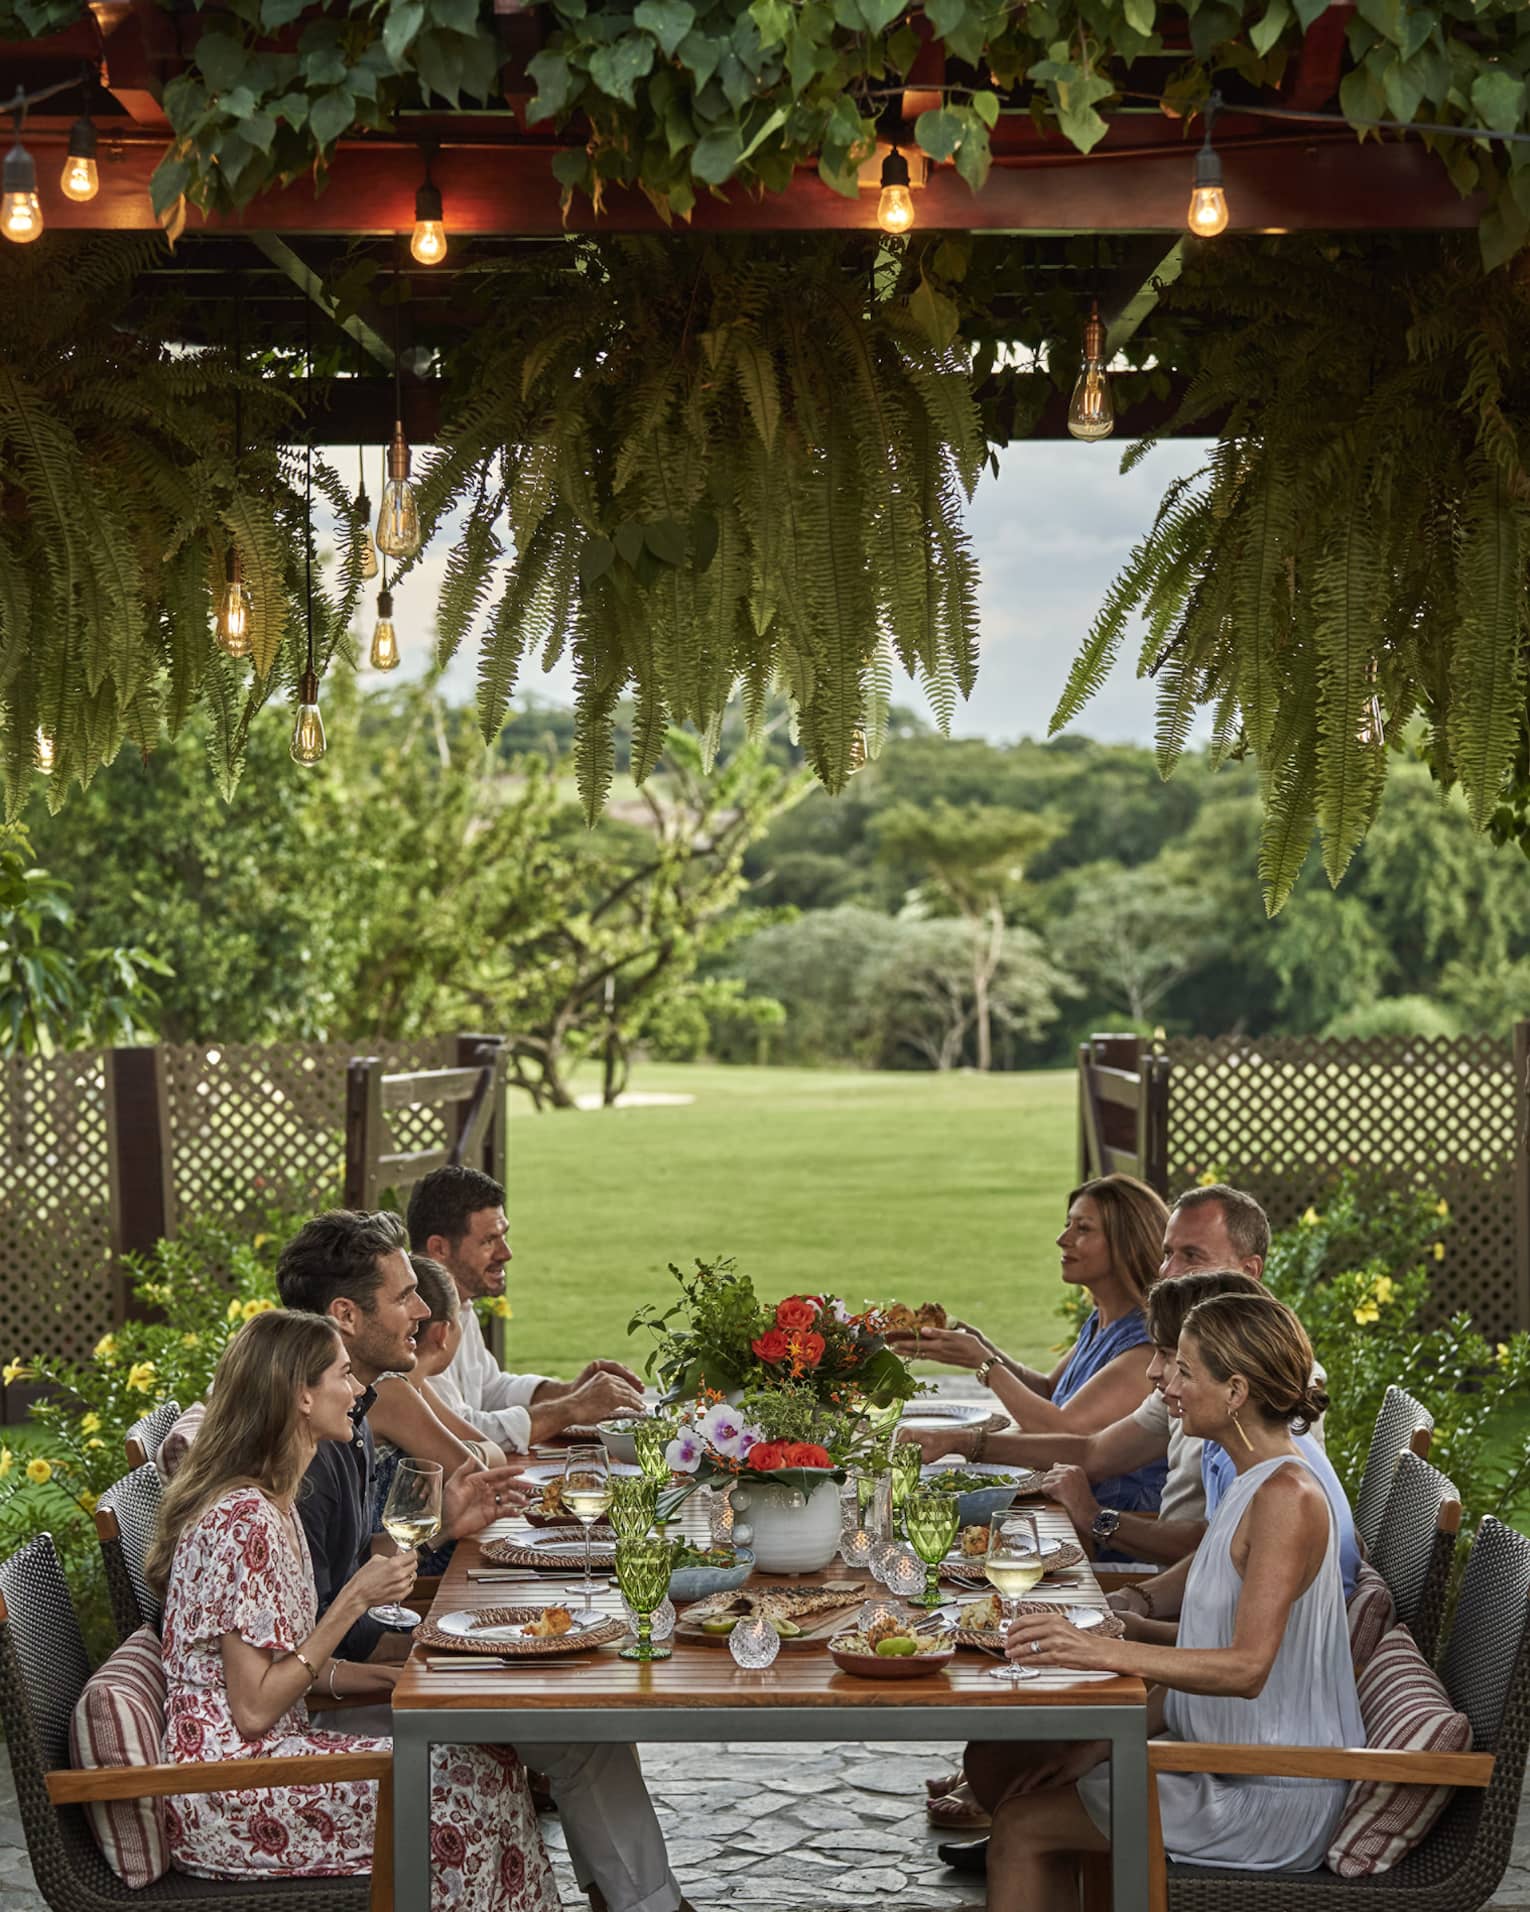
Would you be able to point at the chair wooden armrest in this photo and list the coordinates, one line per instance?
(1296, 1762)
(101, 1783)
(322, 1703)
(1388, 1765)
(67, 1786)
(1112, 1582)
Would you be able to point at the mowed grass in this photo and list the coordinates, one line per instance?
(871, 1186)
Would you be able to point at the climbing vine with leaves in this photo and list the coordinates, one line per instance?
(682, 97)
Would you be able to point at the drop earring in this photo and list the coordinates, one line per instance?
(1241, 1435)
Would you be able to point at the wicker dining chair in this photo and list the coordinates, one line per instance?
(1486, 1671)
(43, 1670)
(125, 1518)
(1402, 1424)
(146, 1436)
(1416, 1547)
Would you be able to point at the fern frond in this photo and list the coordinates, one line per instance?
(1487, 704)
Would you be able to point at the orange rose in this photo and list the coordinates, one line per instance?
(807, 1454)
(772, 1346)
(796, 1313)
(765, 1456)
(808, 1349)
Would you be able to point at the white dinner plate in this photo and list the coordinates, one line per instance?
(466, 1620)
(539, 1473)
(1050, 1545)
(566, 1540)
(932, 1415)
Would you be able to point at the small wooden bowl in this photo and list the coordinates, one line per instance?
(891, 1666)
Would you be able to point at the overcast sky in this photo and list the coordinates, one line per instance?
(1050, 532)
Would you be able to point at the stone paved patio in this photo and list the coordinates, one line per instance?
(787, 1827)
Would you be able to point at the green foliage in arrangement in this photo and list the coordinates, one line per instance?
(725, 465)
(1358, 1274)
(198, 1291)
(682, 97)
(1353, 553)
(119, 497)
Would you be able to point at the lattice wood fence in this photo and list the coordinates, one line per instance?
(103, 1150)
(1283, 1117)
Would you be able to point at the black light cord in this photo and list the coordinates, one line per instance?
(308, 460)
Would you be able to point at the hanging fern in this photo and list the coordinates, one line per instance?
(1356, 541)
(723, 464)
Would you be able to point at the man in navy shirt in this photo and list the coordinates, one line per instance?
(355, 1268)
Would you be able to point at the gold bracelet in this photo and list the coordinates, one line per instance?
(313, 1671)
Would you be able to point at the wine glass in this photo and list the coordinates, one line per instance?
(587, 1495)
(906, 1463)
(931, 1519)
(411, 1515)
(634, 1502)
(1013, 1564)
(642, 1572)
(650, 1438)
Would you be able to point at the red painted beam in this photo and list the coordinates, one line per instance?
(1274, 183)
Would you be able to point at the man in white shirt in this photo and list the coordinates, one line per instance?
(457, 1217)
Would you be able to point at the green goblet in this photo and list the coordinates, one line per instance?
(634, 1502)
(931, 1521)
(906, 1463)
(643, 1568)
(649, 1439)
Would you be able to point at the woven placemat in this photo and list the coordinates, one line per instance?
(1111, 1627)
(511, 1552)
(427, 1634)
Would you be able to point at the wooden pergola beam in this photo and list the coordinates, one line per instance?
(1275, 183)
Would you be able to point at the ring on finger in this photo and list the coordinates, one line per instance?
(1035, 1646)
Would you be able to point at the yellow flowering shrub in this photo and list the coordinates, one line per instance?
(39, 1472)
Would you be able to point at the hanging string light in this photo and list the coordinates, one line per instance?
(366, 565)
(21, 217)
(1208, 202)
(895, 209)
(384, 655)
(79, 180)
(429, 242)
(398, 521)
(232, 618)
(308, 742)
(1092, 408)
(1372, 728)
(43, 753)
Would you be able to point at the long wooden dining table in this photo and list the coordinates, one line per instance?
(699, 1695)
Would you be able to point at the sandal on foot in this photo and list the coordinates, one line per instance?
(958, 1812)
(947, 1783)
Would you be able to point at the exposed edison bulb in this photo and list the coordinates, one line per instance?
(1092, 408)
(1372, 728)
(429, 242)
(46, 755)
(233, 614)
(860, 752)
(21, 217)
(1208, 211)
(384, 639)
(366, 566)
(895, 208)
(79, 180)
(398, 520)
(308, 731)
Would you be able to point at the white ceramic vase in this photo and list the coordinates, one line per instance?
(790, 1532)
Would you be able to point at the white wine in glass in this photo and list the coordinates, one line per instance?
(411, 1516)
(1013, 1564)
(587, 1495)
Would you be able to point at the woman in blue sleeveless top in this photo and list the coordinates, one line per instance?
(1111, 1245)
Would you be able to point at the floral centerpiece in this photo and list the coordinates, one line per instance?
(777, 1397)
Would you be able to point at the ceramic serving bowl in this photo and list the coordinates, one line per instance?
(616, 1438)
(699, 1583)
(880, 1666)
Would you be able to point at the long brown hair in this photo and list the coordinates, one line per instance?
(250, 1435)
(1133, 1217)
(1261, 1339)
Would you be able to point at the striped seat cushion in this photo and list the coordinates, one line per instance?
(174, 1448)
(1405, 1708)
(1371, 1614)
(119, 1720)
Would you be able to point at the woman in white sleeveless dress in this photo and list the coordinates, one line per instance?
(1262, 1656)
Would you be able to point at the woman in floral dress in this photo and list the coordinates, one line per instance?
(243, 1646)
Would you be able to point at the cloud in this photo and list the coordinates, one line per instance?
(1051, 531)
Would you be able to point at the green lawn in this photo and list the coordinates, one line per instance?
(872, 1186)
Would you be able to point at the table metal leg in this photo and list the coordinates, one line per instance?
(1129, 1815)
(411, 1815)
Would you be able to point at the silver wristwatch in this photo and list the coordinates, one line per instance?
(1106, 1521)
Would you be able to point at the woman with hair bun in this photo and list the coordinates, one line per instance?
(1263, 1650)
